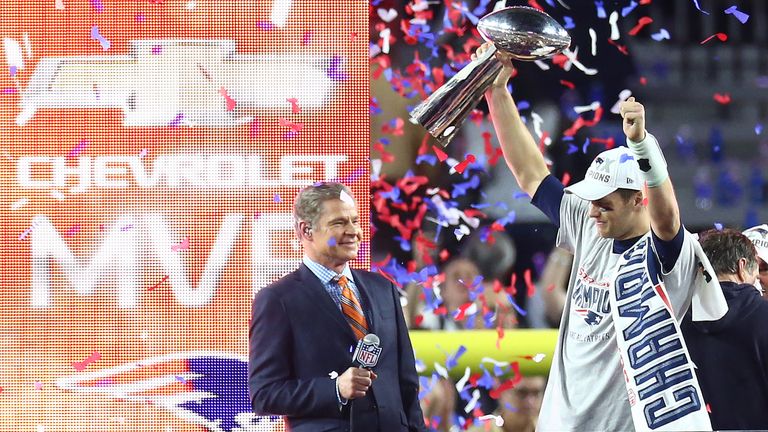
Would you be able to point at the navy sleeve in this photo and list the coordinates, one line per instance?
(548, 197)
(668, 251)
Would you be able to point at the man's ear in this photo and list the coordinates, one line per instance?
(305, 230)
(743, 274)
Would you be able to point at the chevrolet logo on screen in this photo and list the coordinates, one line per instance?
(174, 82)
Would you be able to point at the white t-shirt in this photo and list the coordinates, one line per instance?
(586, 389)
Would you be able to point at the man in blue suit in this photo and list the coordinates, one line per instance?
(305, 326)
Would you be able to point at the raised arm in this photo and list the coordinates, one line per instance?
(662, 204)
(520, 150)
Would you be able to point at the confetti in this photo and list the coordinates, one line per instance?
(722, 36)
(739, 15)
(642, 22)
(82, 365)
(498, 420)
(696, 3)
(628, 9)
(306, 38)
(229, 101)
(184, 244)
(461, 166)
(718, 226)
(277, 199)
(38, 385)
(104, 42)
(295, 108)
(177, 120)
(662, 34)
(723, 99)
(76, 150)
(97, 6)
(155, 286)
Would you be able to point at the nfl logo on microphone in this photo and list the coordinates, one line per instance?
(368, 354)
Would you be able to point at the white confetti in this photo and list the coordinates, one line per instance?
(539, 357)
(612, 20)
(473, 402)
(333, 375)
(623, 95)
(497, 419)
(441, 370)
(593, 37)
(344, 197)
(463, 381)
(584, 108)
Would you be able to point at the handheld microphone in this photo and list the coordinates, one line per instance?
(367, 351)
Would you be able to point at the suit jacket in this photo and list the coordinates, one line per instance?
(298, 336)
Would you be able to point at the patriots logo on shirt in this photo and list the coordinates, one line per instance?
(202, 387)
(590, 317)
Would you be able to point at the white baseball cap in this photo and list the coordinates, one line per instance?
(612, 169)
(759, 237)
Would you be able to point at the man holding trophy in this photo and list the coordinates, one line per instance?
(620, 362)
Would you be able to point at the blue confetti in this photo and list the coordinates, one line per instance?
(453, 359)
(568, 23)
(661, 35)
(572, 149)
(584, 147)
(628, 10)
(625, 157)
(523, 105)
(696, 3)
(718, 226)
(739, 15)
(600, 10)
(514, 305)
(332, 242)
(758, 129)
(521, 194)
(428, 158)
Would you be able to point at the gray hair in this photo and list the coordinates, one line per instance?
(725, 248)
(309, 201)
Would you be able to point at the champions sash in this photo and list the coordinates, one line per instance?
(661, 383)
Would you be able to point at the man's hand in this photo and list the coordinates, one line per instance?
(633, 114)
(506, 72)
(354, 382)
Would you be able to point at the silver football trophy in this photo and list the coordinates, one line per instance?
(525, 33)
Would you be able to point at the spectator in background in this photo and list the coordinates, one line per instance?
(732, 353)
(518, 408)
(759, 237)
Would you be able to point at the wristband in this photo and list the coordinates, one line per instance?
(653, 166)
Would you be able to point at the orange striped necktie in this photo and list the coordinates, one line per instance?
(352, 310)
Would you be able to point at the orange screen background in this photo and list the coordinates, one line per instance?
(39, 344)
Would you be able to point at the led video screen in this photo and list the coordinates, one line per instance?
(151, 152)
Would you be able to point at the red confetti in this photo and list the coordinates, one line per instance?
(254, 130)
(230, 102)
(397, 130)
(622, 48)
(441, 156)
(295, 108)
(386, 157)
(157, 284)
(461, 166)
(608, 142)
(307, 37)
(529, 283)
(444, 255)
(568, 84)
(296, 127)
(723, 99)
(508, 384)
(534, 4)
(643, 81)
(418, 319)
(499, 336)
(550, 287)
(642, 22)
(566, 179)
(722, 36)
